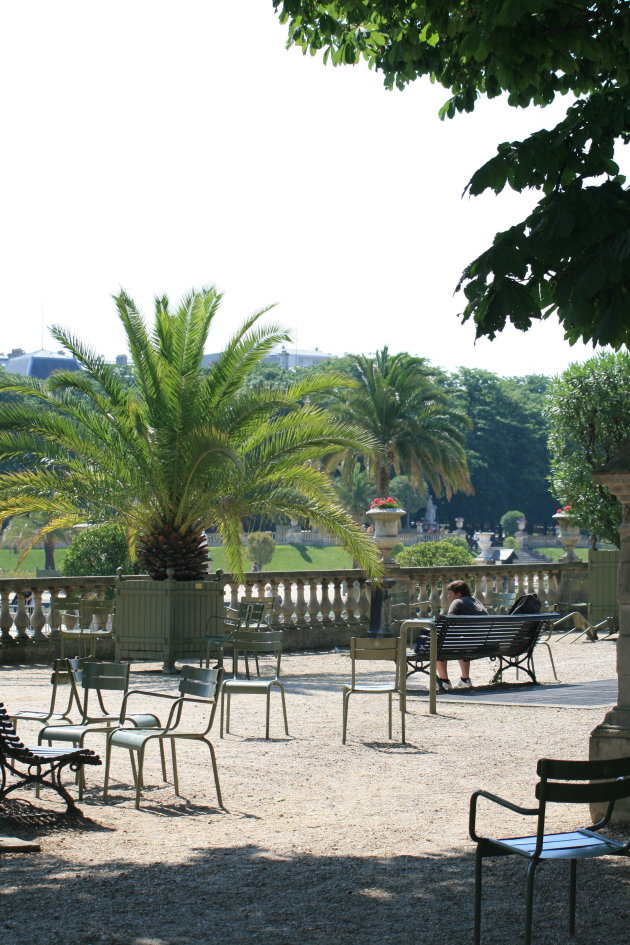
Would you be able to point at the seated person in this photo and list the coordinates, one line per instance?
(462, 602)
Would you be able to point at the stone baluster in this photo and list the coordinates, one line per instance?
(6, 621)
(364, 604)
(313, 601)
(21, 619)
(338, 605)
(38, 618)
(435, 596)
(287, 602)
(520, 587)
(300, 603)
(326, 602)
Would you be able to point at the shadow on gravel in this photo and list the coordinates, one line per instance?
(242, 895)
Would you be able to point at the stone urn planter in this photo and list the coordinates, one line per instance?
(484, 540)
(521, 535)
(386, 526)
(568, 533)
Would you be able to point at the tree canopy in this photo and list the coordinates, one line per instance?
(589, 417)
(416, 425)
(506, 448)
(571, 255)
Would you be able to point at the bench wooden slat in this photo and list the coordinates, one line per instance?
(43, 765)
(509, 638)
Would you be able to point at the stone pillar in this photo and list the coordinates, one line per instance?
(611, 739)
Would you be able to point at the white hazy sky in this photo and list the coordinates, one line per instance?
(160, 146)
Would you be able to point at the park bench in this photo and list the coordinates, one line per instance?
(39, 766)
(508, 638)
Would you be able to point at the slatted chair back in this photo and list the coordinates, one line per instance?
(373, 648)
(199, 683)
(97, 678)
(600, 782)
(259, 643)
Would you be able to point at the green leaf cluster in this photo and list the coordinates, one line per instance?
(589, 416)
(260, 547)
(571, 255)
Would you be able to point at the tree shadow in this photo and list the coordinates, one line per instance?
(247, 894)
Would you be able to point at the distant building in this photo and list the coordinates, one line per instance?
(40, 363)
(285, 357)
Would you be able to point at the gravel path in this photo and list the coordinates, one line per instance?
(319, 842)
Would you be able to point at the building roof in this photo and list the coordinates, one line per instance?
(41, 363)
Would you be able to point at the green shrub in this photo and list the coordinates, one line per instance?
(509, 521)
(435, 554)
(260, 547)
(509, 542)
(100, 549)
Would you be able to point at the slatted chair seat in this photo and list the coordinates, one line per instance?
(43, 765)
(600, 782)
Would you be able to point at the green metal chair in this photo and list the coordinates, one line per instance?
(97, 678)
(64, 677)
(612, 783)
(259, 643)
(379, 648)
(253, 613)
(197, 685)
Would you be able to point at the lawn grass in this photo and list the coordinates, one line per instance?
(554, 553)
(295, 558)
(34, 559)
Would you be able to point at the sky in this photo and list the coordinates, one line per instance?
(160, 147)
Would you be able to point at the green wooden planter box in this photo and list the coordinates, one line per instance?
(166, 620)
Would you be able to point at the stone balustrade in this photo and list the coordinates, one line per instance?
(316, 608)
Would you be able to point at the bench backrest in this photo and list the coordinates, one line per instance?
(492, 634)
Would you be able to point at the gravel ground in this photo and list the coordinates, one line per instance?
(318, 842)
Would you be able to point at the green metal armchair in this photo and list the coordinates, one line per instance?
(611, 783)
(197, 685)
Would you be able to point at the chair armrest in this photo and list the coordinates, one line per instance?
(144, 692)
(528, 811)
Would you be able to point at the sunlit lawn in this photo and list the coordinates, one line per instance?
(294, 558)
(554, 553)
(34, 559)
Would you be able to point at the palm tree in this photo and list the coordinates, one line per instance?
(418, 429)
(180, 450)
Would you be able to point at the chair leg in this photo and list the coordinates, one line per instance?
(108, 755)
(221, 713)
(572, 885)
(553, 665)
(346, 699)
(175, 774)
(529, 900)
(284, 711)
(215, 771)
(477, 910)
(162, 759)
(139, 775)
(389, 702)
(268, 711)
(403, 709)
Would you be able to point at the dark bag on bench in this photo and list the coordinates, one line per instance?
(526, 604)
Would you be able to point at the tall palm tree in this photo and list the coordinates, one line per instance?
(180, 450)
(418, 429)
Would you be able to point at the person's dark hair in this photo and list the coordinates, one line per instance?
(459, 587)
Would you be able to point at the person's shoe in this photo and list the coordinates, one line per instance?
(443, 685)
(464, 684)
